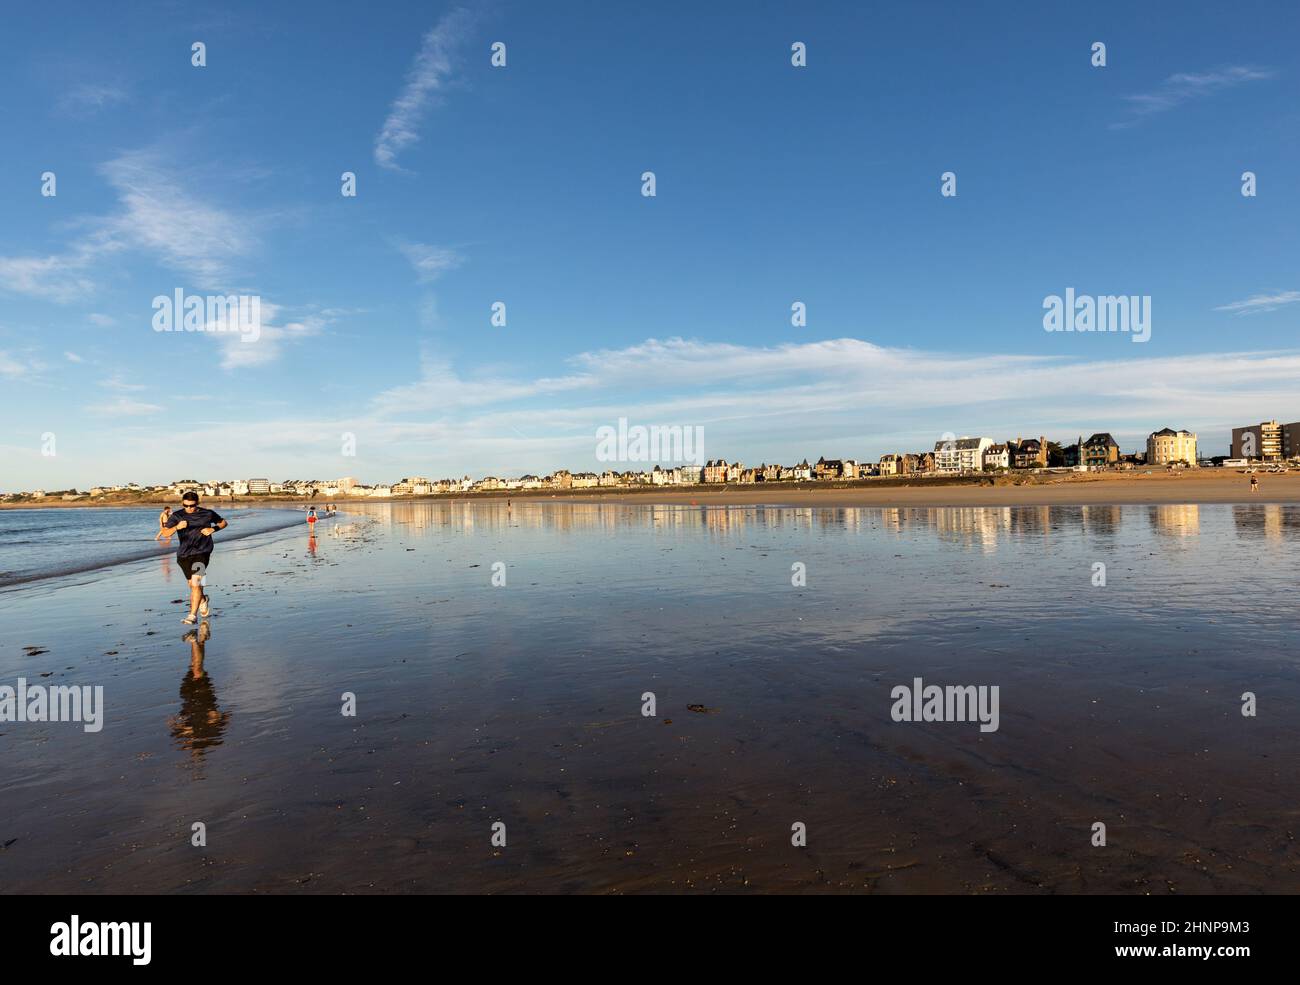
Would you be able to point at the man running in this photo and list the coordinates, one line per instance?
(196, 526)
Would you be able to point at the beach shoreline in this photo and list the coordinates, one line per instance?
(1082, 490)
(1199, 486)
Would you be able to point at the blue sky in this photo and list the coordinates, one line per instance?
(522, 184)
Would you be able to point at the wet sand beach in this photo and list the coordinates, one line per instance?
(1096, 489)
(522, 704)
(1209, 485)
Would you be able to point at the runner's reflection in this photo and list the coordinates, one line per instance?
(200, 724)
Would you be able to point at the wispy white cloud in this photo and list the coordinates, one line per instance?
(162, 217)
(839, 397)
(72, 357)
(1185, 86)
(157, 216)
(120, 385)
(1261, 302)
(430, 262)
(429, 75)
(207, 244)
(245, 350)
(92, 96)
(123, 407)
(14, 366)
(441, 388)
(59, 277)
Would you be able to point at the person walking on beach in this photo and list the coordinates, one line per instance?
(311, 521)
(1254, 483)
(195, 525)
(162, 523)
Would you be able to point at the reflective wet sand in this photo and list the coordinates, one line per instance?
(522, 704)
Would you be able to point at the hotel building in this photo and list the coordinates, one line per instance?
(1167, 446)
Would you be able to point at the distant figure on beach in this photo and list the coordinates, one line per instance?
(311, 521)
(162, 523)
(1254, 483)
(195, 525)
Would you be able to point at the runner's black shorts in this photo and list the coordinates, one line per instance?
(188, 562)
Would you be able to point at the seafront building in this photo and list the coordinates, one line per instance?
(1268, 441)
(1100, 451)
(960, 455)
(714, 471)
(1170, 447)
(997, 457)
(918, 463)
(1029, 453)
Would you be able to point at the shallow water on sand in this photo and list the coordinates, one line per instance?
(46, 543)
(1119, 704)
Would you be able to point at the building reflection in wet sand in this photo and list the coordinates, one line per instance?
(1269, 521)
(981, 526)
(1182, 520)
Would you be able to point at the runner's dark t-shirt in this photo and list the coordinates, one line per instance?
(190, 541)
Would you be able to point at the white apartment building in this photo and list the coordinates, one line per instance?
(664, 477)
(963, 454)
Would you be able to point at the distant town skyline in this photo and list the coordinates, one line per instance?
(492, 284)
(1265, 441)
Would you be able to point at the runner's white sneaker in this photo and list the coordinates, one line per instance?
(203, 607)
(189, 620)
